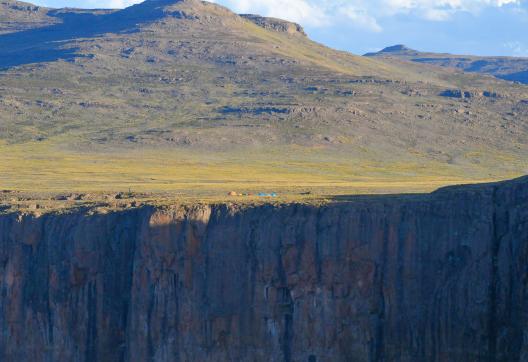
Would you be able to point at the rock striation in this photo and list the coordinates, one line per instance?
(438, 277)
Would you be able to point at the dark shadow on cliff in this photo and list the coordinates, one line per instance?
(51, 43)
(444, 191)
(380, 197)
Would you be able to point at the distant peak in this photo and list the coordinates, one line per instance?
(169, 2)
(397, 49)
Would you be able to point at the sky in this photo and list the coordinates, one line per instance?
(480, 27)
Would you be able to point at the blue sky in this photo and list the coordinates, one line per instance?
(482, 27)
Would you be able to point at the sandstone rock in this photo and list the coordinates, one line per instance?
(417, 278)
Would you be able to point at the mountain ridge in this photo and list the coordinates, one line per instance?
(503, 67)
(105, 92)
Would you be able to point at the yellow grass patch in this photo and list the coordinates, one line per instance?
(44, 167)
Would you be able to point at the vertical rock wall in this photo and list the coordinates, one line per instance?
(439, 277)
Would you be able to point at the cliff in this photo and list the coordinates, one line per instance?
(279, 25)
(438, 277)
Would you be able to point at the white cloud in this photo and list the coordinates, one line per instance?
(517, 48)
(360, 17)
(437, 14)
(359, 13)
(441, 10)
(90, 4)
(118, 4)
(314, 13)
(363, 14)
(300, 11)
(446, 4)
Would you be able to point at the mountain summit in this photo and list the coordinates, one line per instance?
(395, 49)
(107, 92)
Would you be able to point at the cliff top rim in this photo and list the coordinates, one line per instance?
(14, 202)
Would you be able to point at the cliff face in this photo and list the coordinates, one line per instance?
(282, 26)
(426, 278)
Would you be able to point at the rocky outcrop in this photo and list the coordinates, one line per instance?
(458, 93)
(279, 25)
(438, 277)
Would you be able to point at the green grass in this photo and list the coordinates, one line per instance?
(43, 167)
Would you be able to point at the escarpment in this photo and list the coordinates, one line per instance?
(279, 25)
(438, 277)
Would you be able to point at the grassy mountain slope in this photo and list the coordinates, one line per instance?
(186, 95)
(18, 16)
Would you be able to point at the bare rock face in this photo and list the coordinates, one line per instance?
(282, 26)
(457, 93)
(440, 277)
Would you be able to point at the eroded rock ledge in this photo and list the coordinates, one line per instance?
(279, 25)
(439, 277)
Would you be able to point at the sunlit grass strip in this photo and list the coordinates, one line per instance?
(43, 167)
